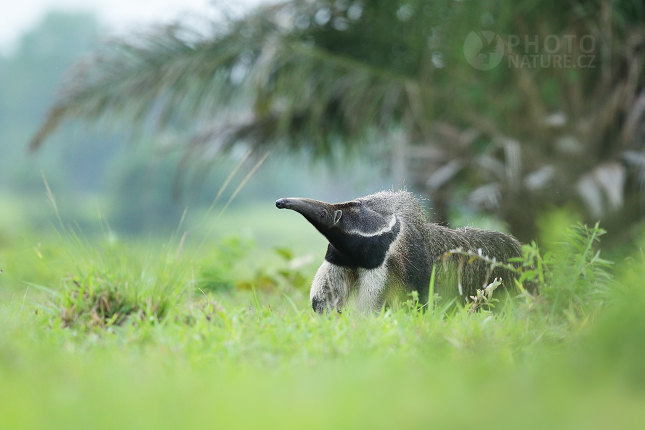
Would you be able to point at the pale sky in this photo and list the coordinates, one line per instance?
(19, 16)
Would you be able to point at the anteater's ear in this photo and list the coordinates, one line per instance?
(337, 216)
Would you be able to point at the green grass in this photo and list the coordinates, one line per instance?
(119, 335)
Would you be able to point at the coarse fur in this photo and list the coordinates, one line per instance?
(382, 247)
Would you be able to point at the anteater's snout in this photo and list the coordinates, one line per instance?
(281, 203)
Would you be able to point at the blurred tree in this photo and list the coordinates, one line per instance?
(28, 81)
(317, 75)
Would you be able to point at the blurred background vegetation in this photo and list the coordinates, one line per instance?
(348, 97)
(331, 100)
(384, 84)
(127, 294)
(134, 186)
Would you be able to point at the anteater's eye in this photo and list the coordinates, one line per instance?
(323, 213)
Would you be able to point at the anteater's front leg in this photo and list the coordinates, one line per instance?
(331, 287)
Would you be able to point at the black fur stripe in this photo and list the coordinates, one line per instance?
(361, 251)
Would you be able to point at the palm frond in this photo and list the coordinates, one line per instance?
(259, 80)
(316, 74)
(160, 75)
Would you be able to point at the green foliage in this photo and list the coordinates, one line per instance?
(580, 279)
(554, 225)
(113, 284)
(570, 282)
(216, 275)
(286, 275)
(208, 357)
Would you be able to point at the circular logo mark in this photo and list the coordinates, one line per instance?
(483, 49)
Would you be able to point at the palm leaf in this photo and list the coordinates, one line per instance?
(257, 81)
(309, 75)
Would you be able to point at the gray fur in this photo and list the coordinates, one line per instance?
(382, 247)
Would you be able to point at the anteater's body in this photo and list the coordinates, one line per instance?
(382, 247)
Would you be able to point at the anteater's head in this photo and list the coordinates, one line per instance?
(341, 222)
(358, 235)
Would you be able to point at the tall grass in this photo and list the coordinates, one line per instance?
(127, 340)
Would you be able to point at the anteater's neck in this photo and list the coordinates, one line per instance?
(356, 250)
